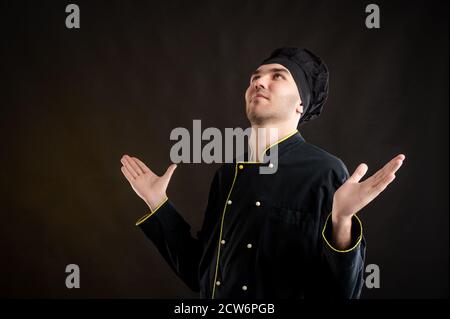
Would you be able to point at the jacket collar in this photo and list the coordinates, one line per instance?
(284, 144)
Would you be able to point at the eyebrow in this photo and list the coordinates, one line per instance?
(273, 70)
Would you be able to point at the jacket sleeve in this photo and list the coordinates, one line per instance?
(342, 269)
(171, 235)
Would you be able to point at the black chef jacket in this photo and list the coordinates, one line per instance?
(265, 235)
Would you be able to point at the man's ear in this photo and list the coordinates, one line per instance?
(299, 108)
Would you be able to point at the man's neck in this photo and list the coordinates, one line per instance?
(262, 137)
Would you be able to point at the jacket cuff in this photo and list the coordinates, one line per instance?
(147, 216)
(356, 234)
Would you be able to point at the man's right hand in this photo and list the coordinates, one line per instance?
(149, 186)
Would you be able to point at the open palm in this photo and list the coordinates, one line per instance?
(147, 185)
(353, 195)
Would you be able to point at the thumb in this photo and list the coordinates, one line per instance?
(360, 171)
(168, 174)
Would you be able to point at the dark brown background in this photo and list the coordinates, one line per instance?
(74, 101)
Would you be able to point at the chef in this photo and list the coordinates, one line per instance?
(292, 234)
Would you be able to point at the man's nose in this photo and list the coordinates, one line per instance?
(259, 84)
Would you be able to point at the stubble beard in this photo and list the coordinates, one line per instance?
(259, 118)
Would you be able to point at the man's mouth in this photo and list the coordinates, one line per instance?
(259, 95)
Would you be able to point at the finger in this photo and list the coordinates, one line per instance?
(380, 174)
(360, 171)
(374, 178)
(128, 166)
(373, 192)
(143, 167)
(397, 164)
(169, 172)
(388, 177)
(395, 160)
(127, 174)
(134, 165)
(381, 186)
(390, 168)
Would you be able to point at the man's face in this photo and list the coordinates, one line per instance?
(272, 96)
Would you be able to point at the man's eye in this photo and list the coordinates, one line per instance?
(254, 78)
(278, 75)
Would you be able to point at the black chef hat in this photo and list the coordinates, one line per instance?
(310, 74)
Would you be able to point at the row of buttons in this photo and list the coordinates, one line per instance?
(244, 287)
(223, 243)
(249, 246)
(257, 203)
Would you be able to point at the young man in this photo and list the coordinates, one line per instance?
(291, 234)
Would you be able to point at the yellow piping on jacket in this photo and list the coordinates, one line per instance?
(226, 204)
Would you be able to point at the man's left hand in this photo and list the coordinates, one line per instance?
(353, 195)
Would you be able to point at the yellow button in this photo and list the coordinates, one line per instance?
(244, 287)
(217, 283)
(249, 246)
(258, 204)
(229, 202)
(241, 166)
(222, 241)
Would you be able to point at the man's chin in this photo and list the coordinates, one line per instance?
(257, 118)
(260, 101)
